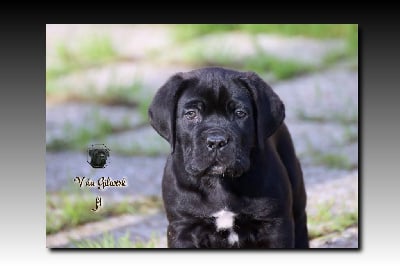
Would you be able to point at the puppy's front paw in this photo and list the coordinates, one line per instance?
(219, 239)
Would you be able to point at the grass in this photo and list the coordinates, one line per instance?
(328, 159)
(351, 50)
(331, 160)
(148, 147)
(350, 135)
(324, 221)
(321, 31)
(334, 116)
(281, 69)
(260, 62)
(333, 57)
(67, 210)
(133, 94)
(152, 147)
(79, 138)
(108, 241)
(98, 128)
(91, 51)
(352, 40)
(200, 54)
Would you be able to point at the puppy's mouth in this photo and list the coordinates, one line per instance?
(216, 169)
(216, 166)
(220, 170)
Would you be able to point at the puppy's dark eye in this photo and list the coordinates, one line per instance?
(190, 115)
(240, 113)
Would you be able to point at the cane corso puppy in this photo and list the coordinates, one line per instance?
(98, 157)
(232, 179)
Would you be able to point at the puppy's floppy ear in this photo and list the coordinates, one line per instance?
(270, 111)
(163, 107)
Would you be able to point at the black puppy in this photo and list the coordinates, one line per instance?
(232, 179)
(98, 157)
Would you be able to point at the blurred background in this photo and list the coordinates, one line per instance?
(100, 80)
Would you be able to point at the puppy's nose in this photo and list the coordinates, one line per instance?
(216, 142)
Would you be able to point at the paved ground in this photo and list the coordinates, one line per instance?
(322, 115)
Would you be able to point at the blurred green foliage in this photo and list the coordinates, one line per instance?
(321, 31)
(194, 53)
(343, 117)
(91, 51)
(109, 241)
(65, 210)
(332, 160)
(260, 62)
(324, 221)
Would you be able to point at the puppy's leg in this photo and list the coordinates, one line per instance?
(285, 148)
(195, 234)
(301, 231)
(281, 235)
(192, 234)
(179, 235)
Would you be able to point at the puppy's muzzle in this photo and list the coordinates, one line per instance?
(216, 140)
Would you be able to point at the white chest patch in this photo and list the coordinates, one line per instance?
(224, 219)
(233, 238)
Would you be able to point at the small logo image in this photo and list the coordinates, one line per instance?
(97, 155)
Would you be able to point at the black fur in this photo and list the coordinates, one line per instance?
(230, 151)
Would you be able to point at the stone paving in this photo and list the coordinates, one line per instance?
(322, 115)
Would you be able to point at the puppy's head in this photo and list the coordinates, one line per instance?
(98, 157)
(215, 117)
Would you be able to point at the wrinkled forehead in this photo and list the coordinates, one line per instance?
(214, 91)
